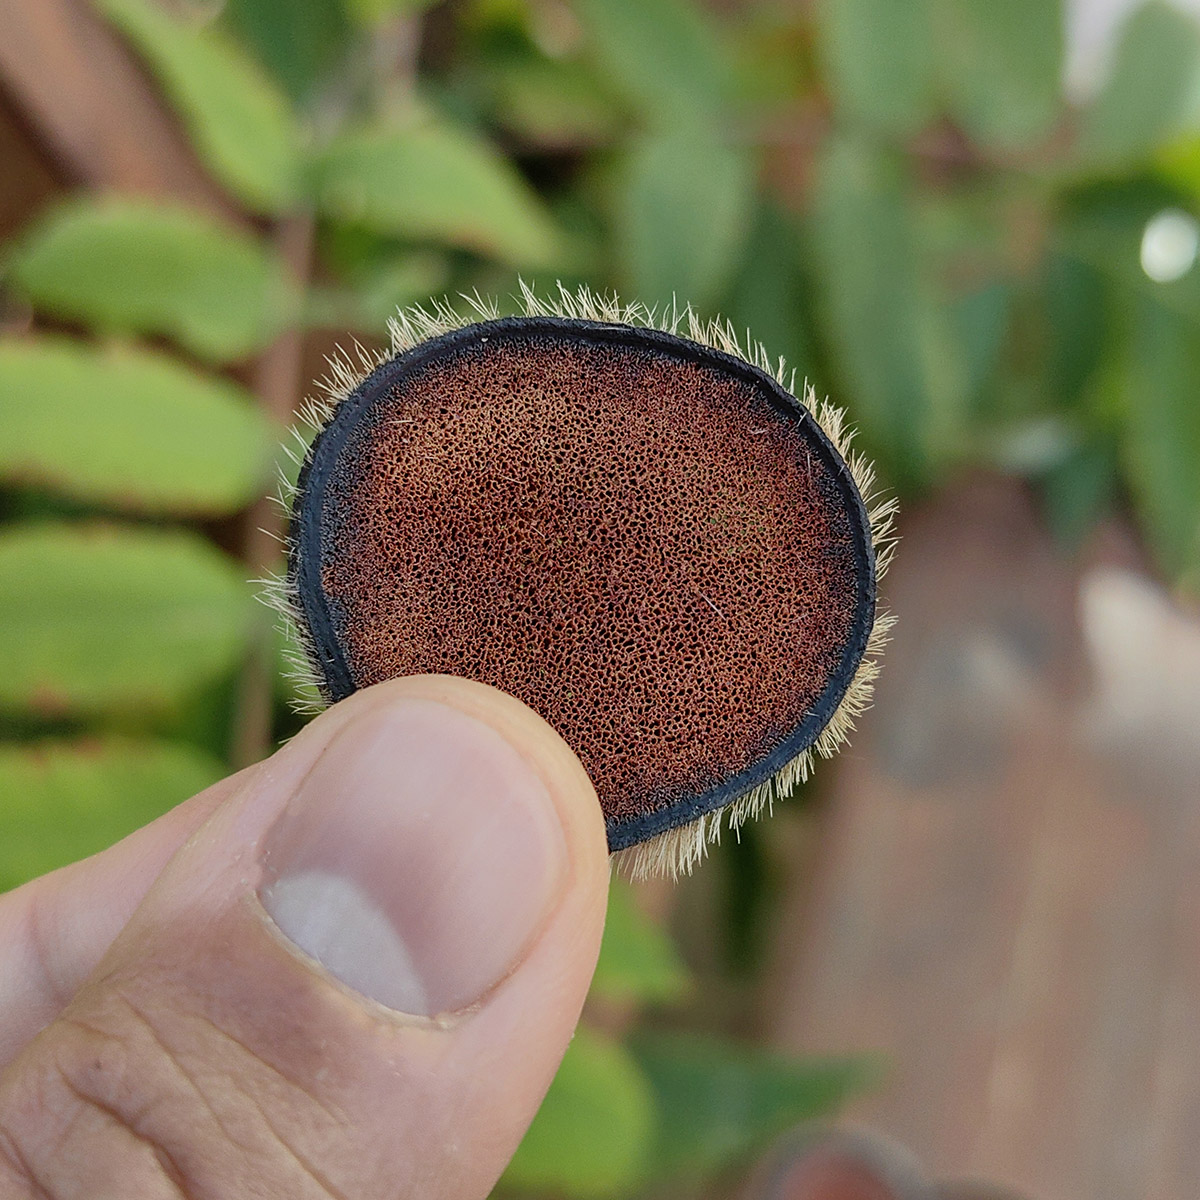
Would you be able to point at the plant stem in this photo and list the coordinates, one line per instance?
(278, 383)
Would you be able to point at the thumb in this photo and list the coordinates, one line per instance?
(355, 979)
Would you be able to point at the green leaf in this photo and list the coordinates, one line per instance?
(879, 61)
(1080, 490)
(1073, 324)
(300, 42)
(663, 55)
(1002, 66)
(1147, 91)
(61, 801)
(434, 182)
(1178, 164)
(1103, 230)
(372, 13)
(374, 291)
(241, 123)
(902, 368)
(980, 320)
(638, 961)
(719, 1103)
(1160, 387)
(770, 295)
(554, 103)
(682, 216)
(128, 429)
(591, 1135)
(127, 266)
(1138, 376)
(110, 619)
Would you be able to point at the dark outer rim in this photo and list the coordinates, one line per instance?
(304, 564)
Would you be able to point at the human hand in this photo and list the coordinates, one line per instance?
(165, 1030)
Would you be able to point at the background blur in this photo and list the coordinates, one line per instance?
(973, 222)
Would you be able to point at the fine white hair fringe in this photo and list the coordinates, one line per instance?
(677, 851)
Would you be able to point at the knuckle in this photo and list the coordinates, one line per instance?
(122, 1090)
(16, 1178)
(71, 1118)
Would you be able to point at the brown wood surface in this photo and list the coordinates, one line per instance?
(1008, 900)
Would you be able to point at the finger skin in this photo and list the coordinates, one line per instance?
(54, 930)
(206, 1057)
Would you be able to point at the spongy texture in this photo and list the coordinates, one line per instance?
(642, 548)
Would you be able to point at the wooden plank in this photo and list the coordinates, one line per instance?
(1008, 901)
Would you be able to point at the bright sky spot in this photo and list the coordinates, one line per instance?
(1169, 244)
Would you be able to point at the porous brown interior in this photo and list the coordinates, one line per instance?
(640, 548)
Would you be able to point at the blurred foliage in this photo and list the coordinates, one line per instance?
(430, 181)
(898, 197)
(638, 963)
(99, 790)
(128, 428)
(117, 266)
(110, 620)
(718, 1102)
(593, 1133)
(240, 122)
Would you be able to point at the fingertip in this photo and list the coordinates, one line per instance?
(531, 736)
(399, 915)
